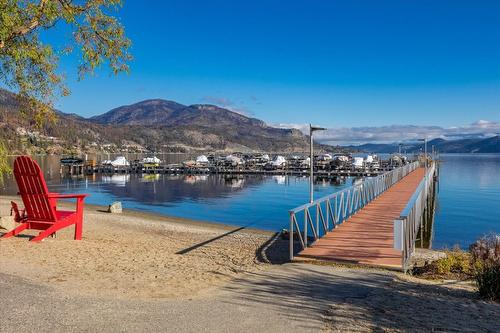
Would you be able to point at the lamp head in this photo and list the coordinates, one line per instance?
(314, 128)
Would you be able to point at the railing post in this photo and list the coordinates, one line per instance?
(306, 211)
(317, 221)
(399, 234)
(328, 207)
(291, 237)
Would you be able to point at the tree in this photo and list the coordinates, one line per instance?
(4, 165)
(30, 67)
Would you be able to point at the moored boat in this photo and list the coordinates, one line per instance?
(71, 160)
(151, 161)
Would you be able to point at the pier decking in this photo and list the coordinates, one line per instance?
(374, 222)
(367, 237)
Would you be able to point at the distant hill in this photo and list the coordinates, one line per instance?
(149, 112)
(474, 145)
(153, 125)
(203, 125)
(159, 112)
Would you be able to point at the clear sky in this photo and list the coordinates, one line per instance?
(334, 63)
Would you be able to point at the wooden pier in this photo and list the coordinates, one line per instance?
(368, 227)
(368, 236)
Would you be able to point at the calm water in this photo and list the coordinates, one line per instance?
(468, 198)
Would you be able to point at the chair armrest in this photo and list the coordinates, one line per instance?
(66, 196)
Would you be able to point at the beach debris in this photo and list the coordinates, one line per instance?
(285, 235)
(7, 222)
(115, 207)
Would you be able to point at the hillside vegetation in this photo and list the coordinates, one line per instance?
(157, 125)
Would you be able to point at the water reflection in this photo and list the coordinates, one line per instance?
(116, 180)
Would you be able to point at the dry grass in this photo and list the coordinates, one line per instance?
(457, 265)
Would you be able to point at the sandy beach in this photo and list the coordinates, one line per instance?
(136, 272)
(134, 255)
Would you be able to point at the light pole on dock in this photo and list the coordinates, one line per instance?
(312, 129)
(425, 155)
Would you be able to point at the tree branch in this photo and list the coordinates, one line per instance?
(30, 26)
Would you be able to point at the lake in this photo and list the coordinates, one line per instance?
(468, 200)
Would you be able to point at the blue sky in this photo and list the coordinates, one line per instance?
(340, 64)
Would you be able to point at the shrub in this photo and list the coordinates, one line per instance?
(456, 265)
(456, 261)
(4, 163)
(486, 266)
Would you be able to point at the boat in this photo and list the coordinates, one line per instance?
(299, 162)
(202, 161)
(120, 161)
(322, 161)
(233, 160)
(278, 162)
(340, 161)
(358, 163)
(397, 160)
(152, 161)
(372, 162)
(260, 159)
(189, 164)
(324, 157)
(71, 160)
(305, 163)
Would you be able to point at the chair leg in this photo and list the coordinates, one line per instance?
(78, 230)
(16, 231)
(79, 219)
(49, 231)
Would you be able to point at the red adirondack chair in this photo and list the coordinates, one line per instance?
(40, 205)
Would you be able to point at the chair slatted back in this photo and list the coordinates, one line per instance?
(33, 190)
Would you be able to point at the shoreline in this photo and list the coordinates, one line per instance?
(153, 216)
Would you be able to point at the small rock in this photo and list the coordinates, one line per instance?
(7, 222)
(115, 207)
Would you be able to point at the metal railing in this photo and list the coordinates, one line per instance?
(407, 225)
(324, 214)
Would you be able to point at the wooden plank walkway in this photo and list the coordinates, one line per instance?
(367, 237)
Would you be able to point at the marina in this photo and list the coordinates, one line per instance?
(325, 165)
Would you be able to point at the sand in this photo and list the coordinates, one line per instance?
(133, 255)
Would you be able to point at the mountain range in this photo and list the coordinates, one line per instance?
(162, 125)
(154, 124)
